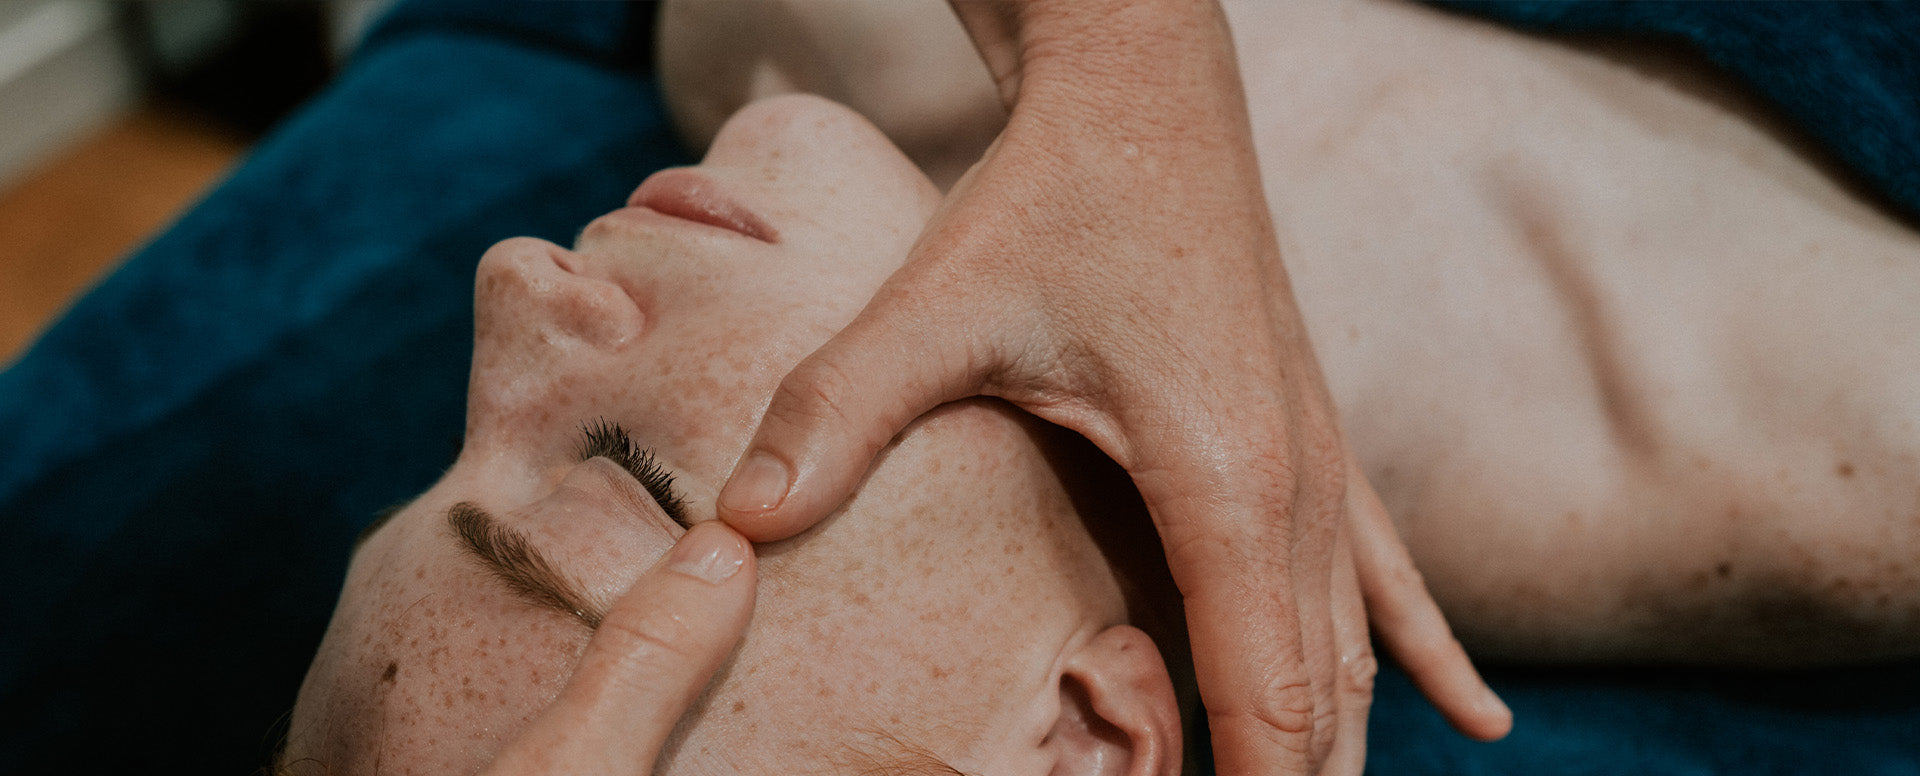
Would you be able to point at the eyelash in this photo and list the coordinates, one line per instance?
(604, 439)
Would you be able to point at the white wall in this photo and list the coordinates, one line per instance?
(63, 74)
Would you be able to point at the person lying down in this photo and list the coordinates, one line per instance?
(1630, 364)
(991, 578)
(958, 611)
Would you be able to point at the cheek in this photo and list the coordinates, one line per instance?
(695, 388)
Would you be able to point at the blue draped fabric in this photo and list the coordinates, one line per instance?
(190, 450)
(1845, 72)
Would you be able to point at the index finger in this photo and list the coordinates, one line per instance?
(653, 653)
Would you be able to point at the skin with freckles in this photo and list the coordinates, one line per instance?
(1651, 402)
(1631, 365)
(950, 609)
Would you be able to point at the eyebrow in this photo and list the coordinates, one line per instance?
(515, 562)
(889, 755)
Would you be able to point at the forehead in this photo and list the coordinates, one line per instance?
(415, 645)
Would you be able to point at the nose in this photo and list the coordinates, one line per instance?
(530, 287)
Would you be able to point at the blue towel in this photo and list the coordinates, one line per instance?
(1845, 72)
(189, 452)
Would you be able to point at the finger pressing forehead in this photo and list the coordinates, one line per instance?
(654, 652)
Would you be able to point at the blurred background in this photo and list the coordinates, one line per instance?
(115, 115)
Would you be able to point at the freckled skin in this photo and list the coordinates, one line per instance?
(1578, 381)
(1747, 465)
(873, 623)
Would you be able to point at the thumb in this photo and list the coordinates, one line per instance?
(653, 653)
(833, 413)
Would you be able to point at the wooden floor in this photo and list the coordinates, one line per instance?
(69, 222)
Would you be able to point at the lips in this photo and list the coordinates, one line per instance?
(685, 194)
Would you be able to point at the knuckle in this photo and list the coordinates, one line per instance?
(819, 390)
(1190, 549)
(634, 642)
(1358, 671)
(1326, 723)
(1288, 710)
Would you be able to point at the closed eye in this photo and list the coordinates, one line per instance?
(605, 439)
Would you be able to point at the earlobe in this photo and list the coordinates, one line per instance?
(1118, 714)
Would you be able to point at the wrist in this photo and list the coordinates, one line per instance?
(1143, 70)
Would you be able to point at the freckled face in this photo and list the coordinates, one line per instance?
(870, 625)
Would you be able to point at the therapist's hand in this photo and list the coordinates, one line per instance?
(1110, 266)
(650, 658)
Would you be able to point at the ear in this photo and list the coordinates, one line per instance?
(1118, 715)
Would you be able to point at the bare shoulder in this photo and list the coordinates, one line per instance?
(1638, 376)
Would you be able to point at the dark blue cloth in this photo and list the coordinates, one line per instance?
(1635, 721)
(190, 451)
(1845, 72)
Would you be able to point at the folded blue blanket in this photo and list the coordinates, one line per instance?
(190, 451)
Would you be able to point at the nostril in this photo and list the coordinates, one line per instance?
(532, 288)
(598, 312)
